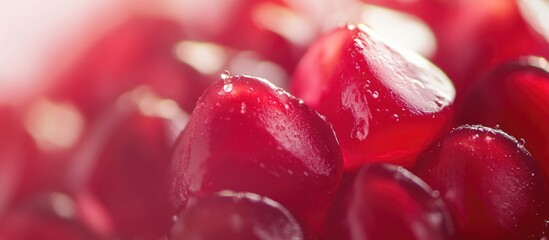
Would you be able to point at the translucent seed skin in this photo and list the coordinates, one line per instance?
(278, 148)
(383, 201)
(235, 215)
(360, 83)
(490, 182)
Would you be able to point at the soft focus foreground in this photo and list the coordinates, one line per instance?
(274, 119)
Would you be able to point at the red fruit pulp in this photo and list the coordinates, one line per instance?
(491, 184)
(230, 215)
(247, 135)
(387, 202)
(386, 104)
(514, 96)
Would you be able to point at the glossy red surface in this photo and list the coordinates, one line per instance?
(381, 195)
(491, 184)
(472, 36)
(231, 215)
(247, 135)
(515, 97)
(255, 162)
(386, 104)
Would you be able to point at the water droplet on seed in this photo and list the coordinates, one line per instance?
(395, 117)
(228, 87)
(226, 74)
(243, 108)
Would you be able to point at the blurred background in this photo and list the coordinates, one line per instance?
(41, 40)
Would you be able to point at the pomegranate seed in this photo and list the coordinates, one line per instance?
(247, 135)
(386, 104)
(231, 215)
(491, 184)
(383, 201)
(515, 97)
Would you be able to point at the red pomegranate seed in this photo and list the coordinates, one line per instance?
(515, 97)
(491, 184)
(386, 104)
(247, 135)
(232, 215)
(387, 202)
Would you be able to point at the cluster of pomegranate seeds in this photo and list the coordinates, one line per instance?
(471, 36)
(323, 127)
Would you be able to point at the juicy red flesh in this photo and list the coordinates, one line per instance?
(381, 195)
(230, 215)
(247, 135)
(491, 184)
(386, 105)
(514, 96)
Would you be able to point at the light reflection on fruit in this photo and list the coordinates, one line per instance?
(94, 94)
